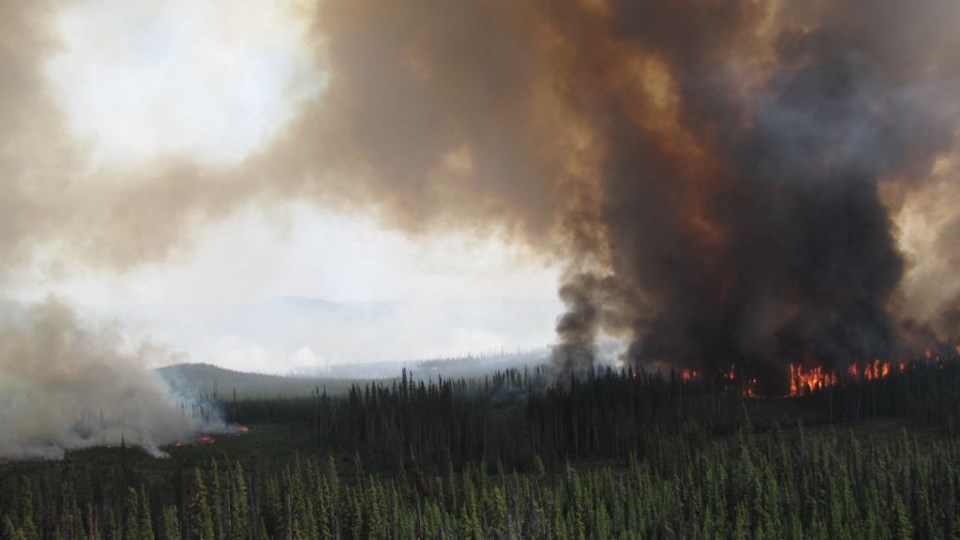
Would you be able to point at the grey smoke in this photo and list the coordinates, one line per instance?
(66, 384)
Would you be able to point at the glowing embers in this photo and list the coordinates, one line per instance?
(731, 374)
(728, 378)
(688, 375)
(207, 439)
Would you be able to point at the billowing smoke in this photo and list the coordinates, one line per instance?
(744, 172)
(722, 179)
(751, 182)
(67, 385)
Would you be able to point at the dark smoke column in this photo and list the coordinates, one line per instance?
(721, 176)
(744, 150)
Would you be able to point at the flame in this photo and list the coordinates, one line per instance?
(802, 382)
(805, 380)
(208, 438)
(729, 377)
(817, 378)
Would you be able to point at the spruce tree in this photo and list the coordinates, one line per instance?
(239, 506)
(146, 519)
(10, 531)
(131, 516)
(171, 524)
(199, 520)
(216, 500)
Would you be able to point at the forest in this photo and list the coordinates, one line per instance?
(523, 453)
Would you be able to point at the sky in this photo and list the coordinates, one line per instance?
(145, 82)
(268, 185)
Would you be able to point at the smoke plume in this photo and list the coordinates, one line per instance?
(751, 182)
(723, 180)
(67, 385)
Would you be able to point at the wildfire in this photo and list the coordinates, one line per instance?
(876, 370)
(207, 439)
(804, 381)
(687, 375)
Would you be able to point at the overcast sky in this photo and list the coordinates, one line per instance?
(144, 82)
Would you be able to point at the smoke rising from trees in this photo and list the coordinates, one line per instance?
(750, 182)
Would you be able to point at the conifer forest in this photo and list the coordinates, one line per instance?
(521, 453)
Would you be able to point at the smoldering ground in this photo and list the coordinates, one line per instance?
(751, 182)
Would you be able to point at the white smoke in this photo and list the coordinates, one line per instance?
(67, 384)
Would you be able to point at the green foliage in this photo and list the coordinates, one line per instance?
(171, 524)
(199, 519)
(616, 455)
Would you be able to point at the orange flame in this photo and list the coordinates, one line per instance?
(806, 380)
(802, 382)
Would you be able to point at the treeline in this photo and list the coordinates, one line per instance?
(523, 454)
(796, 486)
(515, 415)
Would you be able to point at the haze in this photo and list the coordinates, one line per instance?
(140, 85)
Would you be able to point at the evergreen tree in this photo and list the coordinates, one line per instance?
(171, 524)
(131, 516)
(10, 531)
(216, 500)
(239, 505)
(146, 517)
(199, 520)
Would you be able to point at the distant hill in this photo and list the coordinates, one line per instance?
(479, 365)
(206, 379)
(467, 366)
